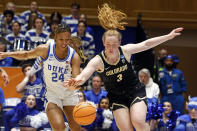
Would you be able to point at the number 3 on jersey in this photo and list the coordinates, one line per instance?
(119, 77)
(55, 77)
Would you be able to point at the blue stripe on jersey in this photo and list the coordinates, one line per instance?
(57, 57)
(32, 33)
(47, 53)
(72, 56)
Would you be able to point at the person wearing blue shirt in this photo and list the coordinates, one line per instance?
(87, 39)
(8, 61)
(31, 85)
(96, 93)
(14, 37)
(172, 85)
(72, 19)
(37, 36)
(24, 16)
(6, 23)
(188, 122)
(2, 99)
(25, 115)
(10, 6)
(83, 17)
(5, 78)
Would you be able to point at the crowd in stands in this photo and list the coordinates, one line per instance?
(166, 88)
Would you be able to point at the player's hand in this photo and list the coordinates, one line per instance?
(3, 55)
(5, 78)
(175, 32)
(71, 84)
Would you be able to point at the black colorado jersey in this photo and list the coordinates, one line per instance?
(119, 79)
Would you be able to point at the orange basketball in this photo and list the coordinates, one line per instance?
(84, 113)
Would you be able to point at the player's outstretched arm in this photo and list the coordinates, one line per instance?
(91, 67)
(40, 50)
(152, 42)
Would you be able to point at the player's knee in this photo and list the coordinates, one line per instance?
(139, 122)
(58, 125)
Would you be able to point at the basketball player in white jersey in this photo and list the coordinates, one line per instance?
(60, 62)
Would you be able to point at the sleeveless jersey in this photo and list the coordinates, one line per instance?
(119, 79)
(55, 71)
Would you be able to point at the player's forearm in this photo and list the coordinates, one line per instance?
(83, 77)
(152, 42)
(20, 55)
(21, 86)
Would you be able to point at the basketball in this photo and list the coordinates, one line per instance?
(84, 113)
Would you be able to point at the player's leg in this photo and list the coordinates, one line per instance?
(68, 110)
(138, 116)
(122, 119)
(55, 116)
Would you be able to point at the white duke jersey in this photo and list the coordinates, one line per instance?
(55, 71)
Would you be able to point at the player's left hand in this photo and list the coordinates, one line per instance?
(3, 55)
(175, 32)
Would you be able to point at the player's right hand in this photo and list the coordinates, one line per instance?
(71, 84)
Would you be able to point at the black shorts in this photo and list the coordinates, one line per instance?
(128, 99)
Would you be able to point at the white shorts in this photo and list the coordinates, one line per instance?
(70, 100)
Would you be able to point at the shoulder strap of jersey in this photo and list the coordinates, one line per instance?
(71, 53)
(120, 50)
(50, 50)
(102, 55)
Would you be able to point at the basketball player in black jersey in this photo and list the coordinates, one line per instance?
(126, 94)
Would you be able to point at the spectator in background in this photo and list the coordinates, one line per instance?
(30, 24)
(87, 40)
(16, 38)
(31, 85)
(188, 122)
(152, 88)
(96, 93)
(104, 118)
(176, 60)
(52, 28)
(33, 9)
(36, 36)
(25, 115)
(169, 117)
(172, 85)
(6, 23)
(55, 17)
(159, 63)
(6, 62)
(161, 56)
(72, 19)
(83, 17)
(11, 6)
